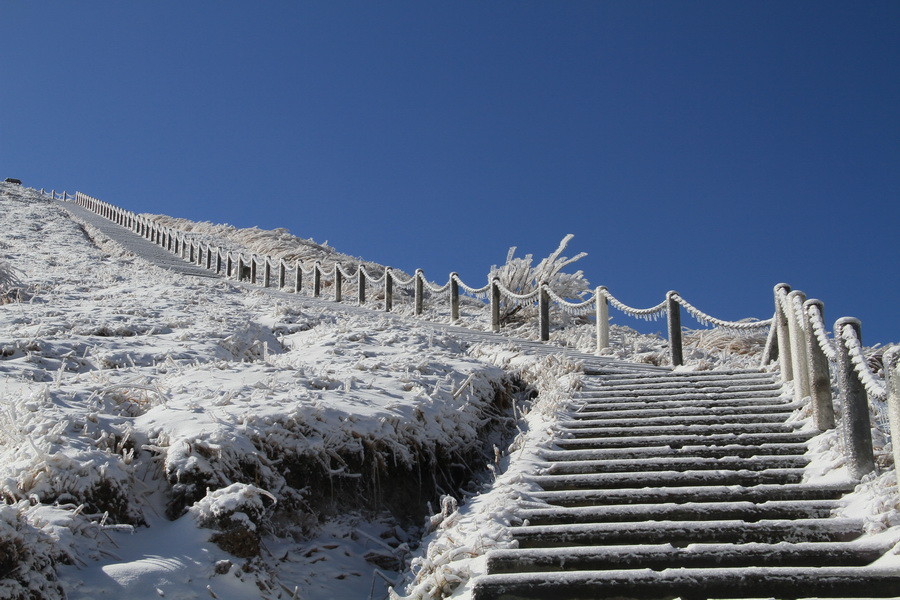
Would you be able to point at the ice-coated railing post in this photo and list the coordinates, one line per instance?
(253, 269)
(544, 311)
(317, 280)
(191, 251)
(819, 372)
(388, 290)
(783, 333)
(361, 275)
(673, 316)
(454, 297)
(298, 277)
(797, 335)
(602, 306)
(228, 264)
(240, 267)
(218, 261)
(856, 428)
(495, 305)
(282, 268)
(209, 257)
(338, 283)
(420, 292)
(267, 272)
(892, 379)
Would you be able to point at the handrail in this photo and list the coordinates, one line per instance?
(797, 338)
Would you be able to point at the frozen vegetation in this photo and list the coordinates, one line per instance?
(196, 438)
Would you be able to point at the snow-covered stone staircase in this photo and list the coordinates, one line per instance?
(666, 485)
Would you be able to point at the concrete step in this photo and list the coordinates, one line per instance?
(735, 582)
(651, 479)
(729, 374)
(682, 440)
(670, 395)
(712, 387)
(681, 494)
(675, 463)
(671, 431)
(688, 511)
(663, 451)
(696, 404)
(682, 533)
(856, 553)
(643, 410)
(710, 418)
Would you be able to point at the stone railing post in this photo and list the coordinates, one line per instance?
(819, 372)
(253, 268)
(228, 264)
(317, 280)
(298, 277)
(495, 305)
(388, 290)
(240, 267)
(420, 292)
(218, 261)
(544, 311)
(338, 283)
(856, 427)
(673, 313)
(454, 297)
(282, 268)
(267, 272)
(892, 379)
(602, 306)
(783, 335)
(361, 279)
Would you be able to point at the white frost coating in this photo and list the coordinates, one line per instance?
(518, 298)
(339, 268)
(817, 323)
(401, 283)
(572, 308)
(369, 277)
(475, 291)
(437, 289)
(706, 319)
(648, 314)
(875, 388)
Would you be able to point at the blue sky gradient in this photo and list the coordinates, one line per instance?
(715, 148)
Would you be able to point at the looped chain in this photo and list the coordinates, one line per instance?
(706, 319)
(471, 290)
(816, 321)
(572, 308)
(875, 388)
(641, 313)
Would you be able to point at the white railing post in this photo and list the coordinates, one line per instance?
(892, 379)
(673, 312)
(799, 360)
(602, 306)
(856, 427)
(819, 372)
(783, 333)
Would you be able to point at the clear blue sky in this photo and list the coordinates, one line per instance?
(715, 148)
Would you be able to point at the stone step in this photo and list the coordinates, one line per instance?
(711, 418)
(592, 388)
(679, 441)
(609, 481)
(734, 582)
(688, 511)
(697, 403)
(675, 494)
(663, 451)
(666, 556)
(727, 374)
(674, 463)
(670, 431)
(643, 411)
(682, 533)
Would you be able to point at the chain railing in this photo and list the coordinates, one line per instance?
(806, 356)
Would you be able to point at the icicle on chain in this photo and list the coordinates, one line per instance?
(572, 308)
(818, 326)
(471, 290)
(647, 314)
(875, 388)
(436, 289)
(706, 319)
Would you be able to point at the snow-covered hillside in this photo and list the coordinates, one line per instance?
(181, 437)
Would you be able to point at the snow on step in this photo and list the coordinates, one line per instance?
(721, 404)
(687, 511)
(677, 463)
(710, 417)
(678, 441)
(712, 493)
(660, 556)
(646, 411)
(738, 582)
(674, 430)
(601, 396)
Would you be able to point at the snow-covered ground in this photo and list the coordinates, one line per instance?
(181, 437)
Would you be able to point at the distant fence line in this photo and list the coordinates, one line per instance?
(797, 339)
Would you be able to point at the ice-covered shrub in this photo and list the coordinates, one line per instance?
(521, 276)
(237, 512)
(11, 287)
(26, 559)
